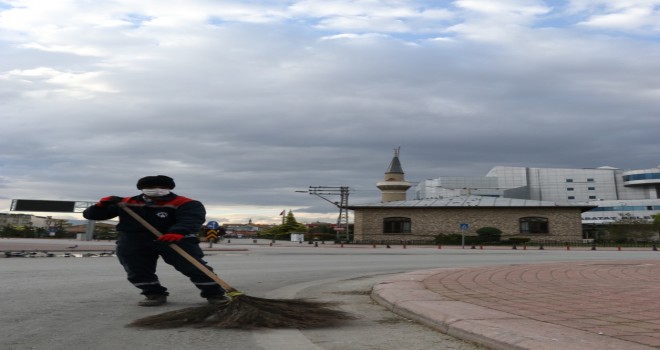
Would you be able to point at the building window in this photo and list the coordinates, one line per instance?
(533, 224)
(569, 189)
(396, 225)
(590, 180)
(591, 188)
(569, 180)
(592, 197)
(571, 197)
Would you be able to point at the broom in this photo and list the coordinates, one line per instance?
(242, 311)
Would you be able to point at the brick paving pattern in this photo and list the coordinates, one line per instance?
(615, 299)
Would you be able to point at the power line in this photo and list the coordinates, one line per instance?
(342, 192)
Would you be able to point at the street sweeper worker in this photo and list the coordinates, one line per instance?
(178, 219)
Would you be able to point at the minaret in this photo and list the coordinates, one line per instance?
(395, 186)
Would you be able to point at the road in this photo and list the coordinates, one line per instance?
(84, 303)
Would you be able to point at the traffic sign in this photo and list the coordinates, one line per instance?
(212, 235)
(213, 225)
(464, 227)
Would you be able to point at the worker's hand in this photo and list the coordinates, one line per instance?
(170, 237)
(105, 201)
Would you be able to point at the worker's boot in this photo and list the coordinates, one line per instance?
(219, 299)
(153, 300)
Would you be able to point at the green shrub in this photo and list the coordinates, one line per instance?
(489, 234)
(454, 239)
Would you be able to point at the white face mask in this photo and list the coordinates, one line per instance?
(155, 192)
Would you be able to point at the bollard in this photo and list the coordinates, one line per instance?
(473, 247)
(373, 245)
(388, 246)
(514, 247)
(618, 248)
(655, 248)
(342, 245)
(593, 247)
(271, 244)
(568, 247)
(541, 246)
(404, 245)
(316, 244)
(524, 247)
(481, 247)
(229, 241)
(439, 246)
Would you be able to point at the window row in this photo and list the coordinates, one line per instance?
(573, 189)
(588, 180)
(403, 225)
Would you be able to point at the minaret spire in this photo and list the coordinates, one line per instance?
(395, 186)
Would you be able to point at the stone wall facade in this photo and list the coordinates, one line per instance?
(564, 223)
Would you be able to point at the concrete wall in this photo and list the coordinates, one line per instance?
(564, 224)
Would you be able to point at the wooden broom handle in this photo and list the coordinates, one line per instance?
(177, 249)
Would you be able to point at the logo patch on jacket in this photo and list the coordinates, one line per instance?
(161, 214)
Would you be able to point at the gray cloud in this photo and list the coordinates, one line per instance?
(245, 104)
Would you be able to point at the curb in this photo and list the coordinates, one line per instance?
(406, 295)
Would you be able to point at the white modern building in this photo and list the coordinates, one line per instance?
(616, 192)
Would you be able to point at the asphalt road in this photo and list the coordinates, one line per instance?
(84, 303)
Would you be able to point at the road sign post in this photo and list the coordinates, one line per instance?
(55, 207)
(464, 227)
(212, 233)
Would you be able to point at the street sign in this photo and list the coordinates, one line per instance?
(39, 205)
(213, 225)
(212, 235)
(49, 206)
(464, 227)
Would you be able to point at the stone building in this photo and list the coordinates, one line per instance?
(422, 220)
(396, 218)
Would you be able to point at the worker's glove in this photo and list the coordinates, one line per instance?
(170, 237)
(106, 201)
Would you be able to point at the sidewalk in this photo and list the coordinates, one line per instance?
(581, 305)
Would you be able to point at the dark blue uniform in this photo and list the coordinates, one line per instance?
(138, 250)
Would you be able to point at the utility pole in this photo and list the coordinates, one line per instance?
(342, 191)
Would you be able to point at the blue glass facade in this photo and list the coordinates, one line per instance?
(637, 177)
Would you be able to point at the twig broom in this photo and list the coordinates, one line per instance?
(242, 311)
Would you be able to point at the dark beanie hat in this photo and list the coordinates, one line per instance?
(158, 180)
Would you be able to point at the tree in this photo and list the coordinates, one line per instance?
(290, 225)
(628, 228)
(656, 221)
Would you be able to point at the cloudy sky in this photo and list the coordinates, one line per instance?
(245, 102)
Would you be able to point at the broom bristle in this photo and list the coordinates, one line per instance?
(251, 312)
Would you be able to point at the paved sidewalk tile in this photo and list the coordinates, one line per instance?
(579, 305)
